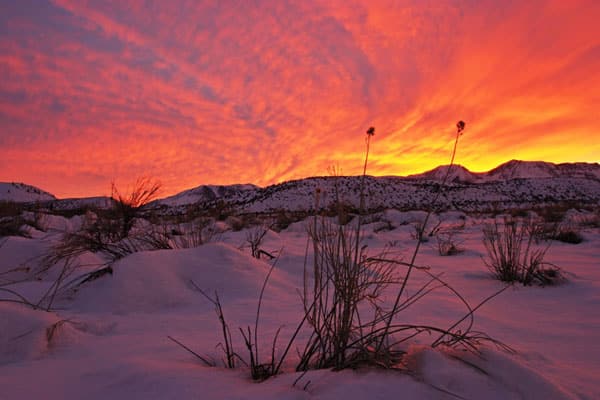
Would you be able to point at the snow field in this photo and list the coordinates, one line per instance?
(109, 338)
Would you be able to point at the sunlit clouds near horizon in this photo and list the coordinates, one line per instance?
(223, 92)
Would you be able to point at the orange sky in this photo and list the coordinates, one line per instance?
(221, 92)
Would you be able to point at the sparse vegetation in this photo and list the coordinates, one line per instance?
(127, 207)
(11, 219)
(568, 233)
(512, 255)
(447, 244)
(254, 240)
(193, 234)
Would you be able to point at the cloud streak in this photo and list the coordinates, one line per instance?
(228, 92)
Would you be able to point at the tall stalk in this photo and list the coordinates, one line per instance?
(460, 126)
(361, 209)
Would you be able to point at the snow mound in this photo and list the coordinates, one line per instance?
(62, 224)
(162, 280)
(398, 218)
(23, 332)
(19, 257)
(493, 375)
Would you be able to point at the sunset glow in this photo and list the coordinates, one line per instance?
(198, 92)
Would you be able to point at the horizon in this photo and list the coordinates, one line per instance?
(272, 92)
(162, 195)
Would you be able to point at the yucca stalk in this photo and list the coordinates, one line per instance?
(460, 126)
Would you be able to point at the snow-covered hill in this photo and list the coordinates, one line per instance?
(516, 184)
(513, 169)
(22, 193)
(538, 169)
(455, 173)
(207, 193)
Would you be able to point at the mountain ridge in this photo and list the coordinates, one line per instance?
(511, 184)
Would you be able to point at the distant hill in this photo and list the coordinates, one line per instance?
(538, 169)
(511, 185)
(513, 169)
(207, 193)
(22, 193)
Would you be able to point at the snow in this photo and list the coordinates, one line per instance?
(109, 339)
(514, 169)
(455, 173)
(206, 193)
(22, 193)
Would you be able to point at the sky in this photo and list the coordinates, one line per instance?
(220, 92)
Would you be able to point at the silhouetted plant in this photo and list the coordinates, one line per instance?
(568, 233)
(127, 206)
(512, 255)
(447, 244)
(460, 126)
(11, 219)
(254, 239)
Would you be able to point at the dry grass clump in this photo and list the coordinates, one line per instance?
(16, 221)
(12, 226)
(127, 207)
(193, 234)
(567, 233)
(512, 254)
(346, 282)
(448, 244)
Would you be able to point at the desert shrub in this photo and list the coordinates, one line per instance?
(595, 219)
(10, 209)
(194, 234)
(235, 223)
(447, 244)
(553, 214)
(282, 220)
(11, 220)
(447, 237)
(568, 234)
(344, 212)
(512, 255)
(220, 210)
(12, 226)
(423, 231)
(103, 236)
(344, 279)
(127, 206)
(560, 231)
(254, 240)
(383, 226)
(520, 213)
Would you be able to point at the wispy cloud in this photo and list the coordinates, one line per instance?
(225, 92)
